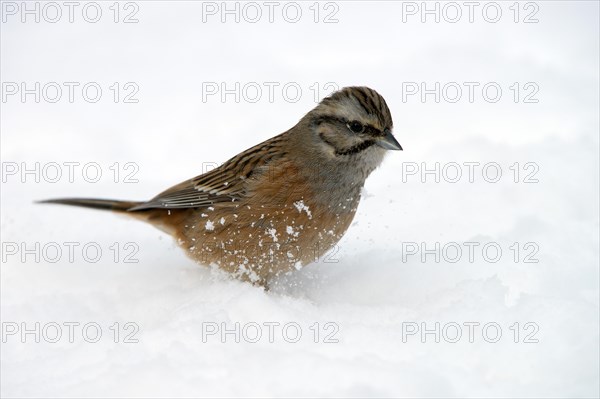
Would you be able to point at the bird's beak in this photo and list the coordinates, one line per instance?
(388, 141)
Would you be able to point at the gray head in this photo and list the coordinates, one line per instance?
(341, 141)
(351, 127)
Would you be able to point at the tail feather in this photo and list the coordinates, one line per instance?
(95, 203)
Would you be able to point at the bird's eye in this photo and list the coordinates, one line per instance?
(356, 126)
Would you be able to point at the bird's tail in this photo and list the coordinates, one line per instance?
(95, 203)
(163, 219)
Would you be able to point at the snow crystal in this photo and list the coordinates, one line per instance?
(273, 233)
(290, 231)
(210, 226)
(302, 207)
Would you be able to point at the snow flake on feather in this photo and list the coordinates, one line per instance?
(273, 234)
(290, 231)
(302, 207)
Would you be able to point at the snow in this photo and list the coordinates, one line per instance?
(302, 207)
(372, 302)
(273, 233)
(290, 230)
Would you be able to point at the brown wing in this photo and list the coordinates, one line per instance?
(227, 183)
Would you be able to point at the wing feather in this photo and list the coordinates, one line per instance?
(227, 183)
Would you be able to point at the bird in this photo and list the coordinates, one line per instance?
(281, 204)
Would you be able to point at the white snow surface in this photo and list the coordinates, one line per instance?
(366, 292)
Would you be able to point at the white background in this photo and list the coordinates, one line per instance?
(370, 288)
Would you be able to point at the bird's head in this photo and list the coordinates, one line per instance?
(352, 126)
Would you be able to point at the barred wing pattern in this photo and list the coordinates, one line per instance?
(227, 183)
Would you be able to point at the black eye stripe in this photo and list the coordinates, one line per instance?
(351, 150)
(373, 131)
(356, 149)
(368, 129)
